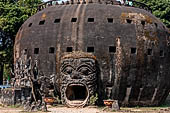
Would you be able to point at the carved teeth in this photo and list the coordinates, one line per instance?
(76, 102)
(76, 85)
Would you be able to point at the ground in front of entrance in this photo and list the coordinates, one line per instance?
(62, 109)
(165, 108)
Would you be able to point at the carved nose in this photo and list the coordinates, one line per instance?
(75, 75)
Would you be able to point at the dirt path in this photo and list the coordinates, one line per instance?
(60, 109)
(10, 110)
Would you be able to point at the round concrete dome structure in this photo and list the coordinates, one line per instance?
(123, 51)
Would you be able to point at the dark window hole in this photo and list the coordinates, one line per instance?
(69, 49)
(41, 22)
(156, 25)
(74, 20)
(110, 20)
(133, 50)
(129, 21)
(112, 49)
(90, 49)
(57, 20)
(149, 51)
(36, 50)
(51, 50)
(143, 23)
(109, 85)
(30, 25)
(161, 53)
(90, 19)
(153, 43)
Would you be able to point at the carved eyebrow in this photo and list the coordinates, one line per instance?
(88, 65)
(64, 66)
(87, 60)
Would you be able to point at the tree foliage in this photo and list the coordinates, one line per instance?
(12, 15)
(160, 8)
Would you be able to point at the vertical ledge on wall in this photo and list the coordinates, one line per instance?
(16, 52)
(111, 72)
(112, 51)
(140, 93)
(118, 69)
(128, 92)
(154, 95)
(58, 56)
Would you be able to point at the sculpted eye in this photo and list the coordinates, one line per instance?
(68, 70)
(85, 71)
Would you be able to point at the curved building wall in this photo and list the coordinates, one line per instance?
(130, 45)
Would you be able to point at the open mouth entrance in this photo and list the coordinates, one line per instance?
(76, 94)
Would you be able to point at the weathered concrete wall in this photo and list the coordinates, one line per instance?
(7, 96)
(130, 44)
(10, 96)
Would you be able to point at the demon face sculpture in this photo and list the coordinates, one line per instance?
(78, 78)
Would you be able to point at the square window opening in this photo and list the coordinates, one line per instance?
(156, 25)
(74, 20)
(161, 53)
(110, 20)
(36, 50)
(143, 23)
(41, 22)
(51, 50)
(69, 49)
(133, 50)
(129, 21)
(90, 49)
(90, 19)
(149, 51)
(30, 25)
(112, 49)
(57, 20)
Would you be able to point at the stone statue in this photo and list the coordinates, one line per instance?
(78, 72)
(38, 105)
(28, 76)
(44, 106)
(35, 69)
(33, 107)
(115, 105)
(27, 105)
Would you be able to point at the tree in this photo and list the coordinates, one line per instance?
(2, 55)
(160, 8)
(12, 15)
